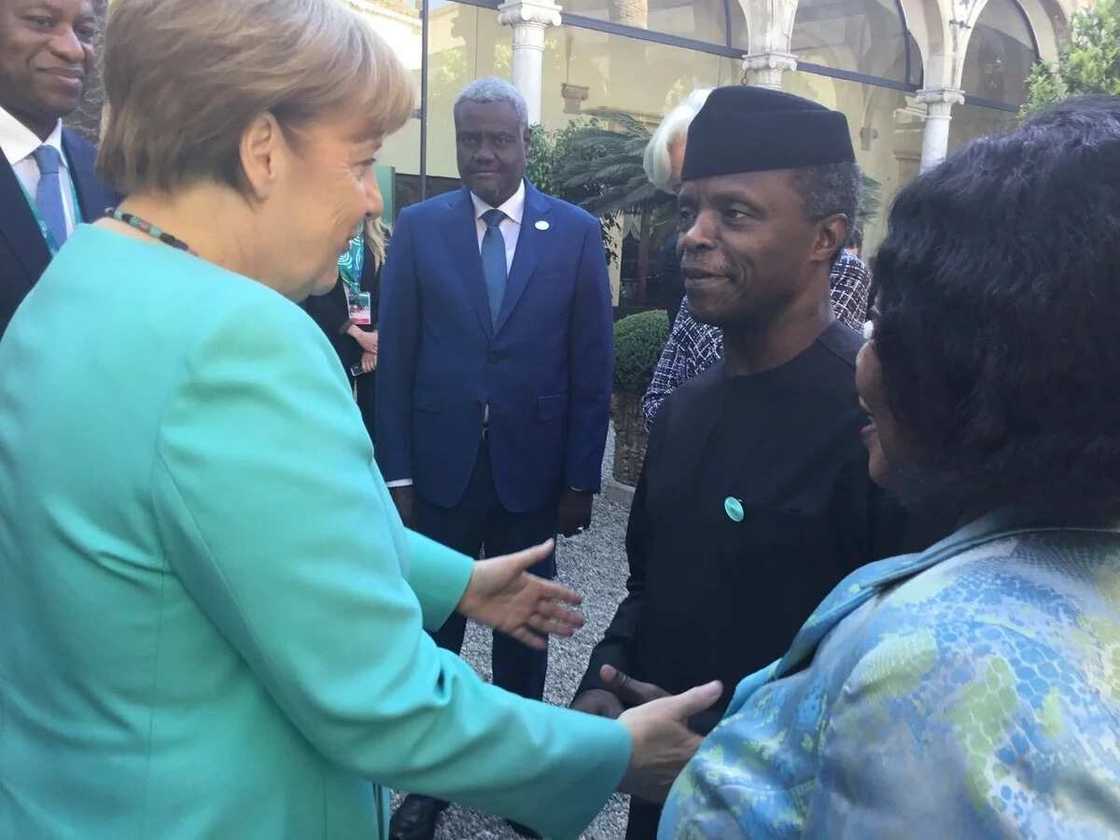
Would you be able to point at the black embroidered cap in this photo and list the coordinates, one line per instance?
(752, 129)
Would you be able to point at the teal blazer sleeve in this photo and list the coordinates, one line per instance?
(437, 575)
(278, 523)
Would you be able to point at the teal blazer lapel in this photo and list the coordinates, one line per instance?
(462, 237)
(531, 241)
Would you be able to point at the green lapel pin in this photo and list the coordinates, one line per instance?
(733, 508)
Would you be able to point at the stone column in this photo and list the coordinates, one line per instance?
(766, 69)
(529, 18)
(939, 111)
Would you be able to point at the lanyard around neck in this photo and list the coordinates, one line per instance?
(77, 210)
(351, 263)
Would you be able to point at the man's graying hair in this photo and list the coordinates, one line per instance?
(493, 89)
(830, 189)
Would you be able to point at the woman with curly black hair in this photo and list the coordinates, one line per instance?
(971, 690)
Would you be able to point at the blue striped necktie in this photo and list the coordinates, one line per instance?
(494, 261)
(48, 196)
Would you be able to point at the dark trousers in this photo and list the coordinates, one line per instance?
(644, 817)
(480, 525)
(364, 389)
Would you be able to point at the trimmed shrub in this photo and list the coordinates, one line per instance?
(638, 341)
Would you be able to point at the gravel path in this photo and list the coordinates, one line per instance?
(594, 564)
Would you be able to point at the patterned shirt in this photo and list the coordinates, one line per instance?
(694, 347)
(970, 691)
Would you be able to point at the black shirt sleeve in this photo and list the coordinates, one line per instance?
(614, 647)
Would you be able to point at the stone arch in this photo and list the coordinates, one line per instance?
(928, 24)
(1049, 22)
(1044, 19)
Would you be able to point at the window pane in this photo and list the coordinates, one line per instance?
(972, 121)
(738, 26)
(864, 36)
(586, 72)
(701, 20)
(398, 22)
(917, 77)
(1000, 54)
(464, 43)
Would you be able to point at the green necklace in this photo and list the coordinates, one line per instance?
(144, 226)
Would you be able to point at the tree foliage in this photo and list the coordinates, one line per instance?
(597, 163)
(604, 165)
(1089, 63)
(870, 202)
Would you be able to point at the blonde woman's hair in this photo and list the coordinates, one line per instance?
(184, 79)
(377, 239)
(674, 127)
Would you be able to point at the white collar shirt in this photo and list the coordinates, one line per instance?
(513, 208)
(18, 143)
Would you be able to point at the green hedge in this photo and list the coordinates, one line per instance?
(638, 340)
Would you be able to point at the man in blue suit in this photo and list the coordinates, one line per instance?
(47, 183)
(495, 368)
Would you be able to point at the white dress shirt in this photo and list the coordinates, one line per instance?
(514, 208)
(18, 143)
(510, 226)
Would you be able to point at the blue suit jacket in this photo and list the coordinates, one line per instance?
(23, 252)
(544, 368)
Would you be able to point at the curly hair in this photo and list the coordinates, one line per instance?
(998, 293)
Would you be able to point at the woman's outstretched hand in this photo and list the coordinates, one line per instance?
(503, 595)
(662, 741)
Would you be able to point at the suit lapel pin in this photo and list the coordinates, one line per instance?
(542, 225)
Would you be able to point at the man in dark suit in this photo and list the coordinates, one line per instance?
(47, 183)
(495, 368)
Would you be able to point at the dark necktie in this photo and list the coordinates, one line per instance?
(494, 261)
(48, 196)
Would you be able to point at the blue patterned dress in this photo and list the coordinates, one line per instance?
(969, 691)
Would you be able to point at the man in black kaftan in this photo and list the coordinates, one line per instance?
(754, 501)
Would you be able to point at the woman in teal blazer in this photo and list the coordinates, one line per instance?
(212, 614)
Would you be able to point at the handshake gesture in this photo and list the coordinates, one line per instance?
(658, 724)
(503, 594)
(622, 692)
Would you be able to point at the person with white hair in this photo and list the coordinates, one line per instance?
(664, 153)
(662, 161)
